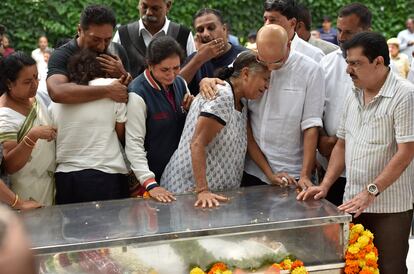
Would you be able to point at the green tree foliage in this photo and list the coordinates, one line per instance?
(26, 20)
(388, 16)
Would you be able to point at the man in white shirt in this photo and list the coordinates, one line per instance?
(352, 19)
(284, 13)
(135, 37)
(376, 143)
(406, 38)
(285, 120)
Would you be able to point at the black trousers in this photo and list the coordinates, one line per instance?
(250, 180)
(336, 192)
(89, 185)
(391, 233)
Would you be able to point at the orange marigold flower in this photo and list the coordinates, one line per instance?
(350, 256)
(354, 239)
(361, 255)
(217, 266)
(274, 268)
(375, 251)
(368, 248)
(351, 270)
(366, 271)
(296, 264)
(371, 263)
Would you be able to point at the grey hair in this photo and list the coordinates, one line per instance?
(245, 59)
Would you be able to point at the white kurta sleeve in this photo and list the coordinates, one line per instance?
(314, 100)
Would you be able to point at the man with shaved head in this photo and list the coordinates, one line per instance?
(285, 120)
(285, 13)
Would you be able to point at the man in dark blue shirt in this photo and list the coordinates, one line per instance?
(214, 51)
(328, 33)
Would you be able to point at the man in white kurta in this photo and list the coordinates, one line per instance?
(285, 120)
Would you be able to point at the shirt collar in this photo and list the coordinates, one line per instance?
(163, 29)
(387, 89)
(294, 41)
(398, 57)
(151, 80)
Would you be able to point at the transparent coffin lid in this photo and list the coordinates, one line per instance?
(141, 221)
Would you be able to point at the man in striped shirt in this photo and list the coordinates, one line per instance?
(376, 144)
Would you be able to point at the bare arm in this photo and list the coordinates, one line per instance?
(190, 69)
(16, 155)
(9, 198)
(392, 171)
(335, 168)
(205, 53)
(62, 91)
(326, 143)
(310, 141)
(120, 131)
(205, 131)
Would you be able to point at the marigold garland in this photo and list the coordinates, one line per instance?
(361, 256)
(295, 267)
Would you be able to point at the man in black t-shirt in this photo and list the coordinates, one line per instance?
(94, 32)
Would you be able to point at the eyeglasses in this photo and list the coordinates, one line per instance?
(275, 63)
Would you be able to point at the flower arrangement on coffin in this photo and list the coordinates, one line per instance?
(287, 264)
(217, 268)
(295, 267)
(361, 256)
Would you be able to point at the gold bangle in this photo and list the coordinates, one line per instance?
(16, 199)
(33, 142)
(27, 144)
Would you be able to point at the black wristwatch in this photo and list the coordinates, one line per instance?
(373, 189)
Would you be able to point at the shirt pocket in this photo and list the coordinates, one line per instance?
(381, 130)
(290, 103)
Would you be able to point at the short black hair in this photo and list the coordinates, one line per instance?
(11, 66)
(372, 44)
(361, 11)
(97, 15)
(204, 11)
(62, 41)
(285, 7)
(303, 15)
(84, 67)
(162, 48)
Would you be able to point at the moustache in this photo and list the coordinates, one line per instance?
(151, 19)
(353, 76)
